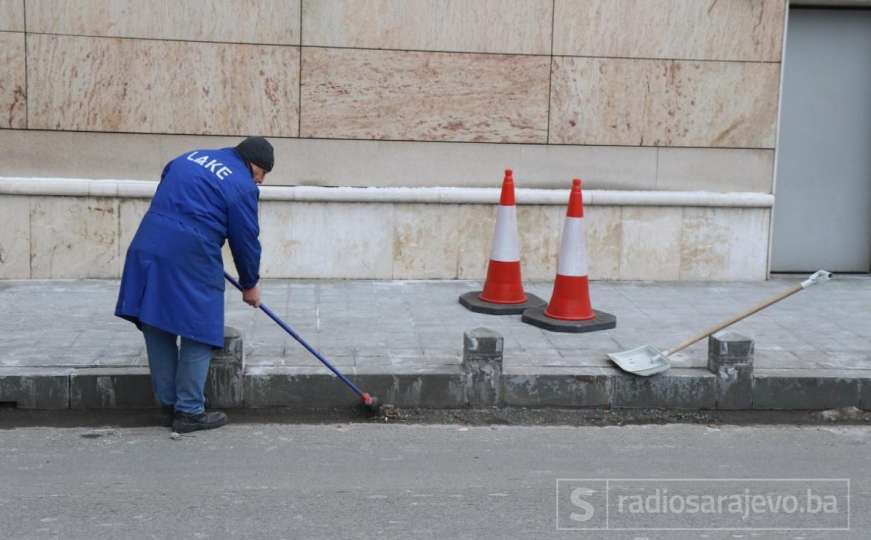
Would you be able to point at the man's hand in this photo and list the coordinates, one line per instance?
(252, 296)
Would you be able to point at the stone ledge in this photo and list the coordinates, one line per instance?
(143, 189)
(111, 388)
(805, 391)
(444, 387)
(35, 388)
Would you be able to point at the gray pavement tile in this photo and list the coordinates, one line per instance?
(413, 324)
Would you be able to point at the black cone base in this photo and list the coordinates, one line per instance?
(536, 317)
(472, 301)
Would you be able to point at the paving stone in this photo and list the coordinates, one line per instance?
(415, 329)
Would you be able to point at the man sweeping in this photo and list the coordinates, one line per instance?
(172, 287)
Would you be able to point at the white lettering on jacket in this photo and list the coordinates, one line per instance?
(216, 167)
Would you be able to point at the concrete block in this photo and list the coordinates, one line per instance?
(47, 388)
(482, 367)
(728, 348)
(112, 388)
(580, 390)
(224, 384)
(797, 390)
(675, 389)
(482, 343)
(484, 26)
(730, 358)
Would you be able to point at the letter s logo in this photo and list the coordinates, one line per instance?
(579, 502)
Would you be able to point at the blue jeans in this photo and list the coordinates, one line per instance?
(178, 374)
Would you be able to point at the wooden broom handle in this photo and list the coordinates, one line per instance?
(735, 319)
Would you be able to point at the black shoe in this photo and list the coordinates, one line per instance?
(167, 414)
(185, 423)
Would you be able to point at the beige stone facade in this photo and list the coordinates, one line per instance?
(641, 95)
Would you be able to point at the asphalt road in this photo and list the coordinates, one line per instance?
(392, 481)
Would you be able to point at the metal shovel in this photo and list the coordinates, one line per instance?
(648, 360)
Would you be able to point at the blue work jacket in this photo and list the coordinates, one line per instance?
(173, 275)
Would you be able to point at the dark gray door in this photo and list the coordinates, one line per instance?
(822, 214)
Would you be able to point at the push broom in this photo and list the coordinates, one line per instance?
(369, 402)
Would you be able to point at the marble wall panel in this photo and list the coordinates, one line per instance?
(426, 241)
(74, 237)
(362, 163)
(540, 228)
(13, 91)
(724, 244)
(12, 15)
(477, 224)
(14, 237)
(604, 240)
(679, 29)
(651, 240)
(493, 26)
(324, 240)
(236, 21)
(423, 96)
(130, 214)
(664, 103)
(84, 83)
(715, 169)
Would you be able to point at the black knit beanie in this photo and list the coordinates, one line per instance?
(258, 151)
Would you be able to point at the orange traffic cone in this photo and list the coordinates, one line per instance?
(503, 289)
(570, 309)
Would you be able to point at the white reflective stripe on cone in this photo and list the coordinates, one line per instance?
(573, 251)
(505, 244)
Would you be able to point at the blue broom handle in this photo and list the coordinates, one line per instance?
(299, 338)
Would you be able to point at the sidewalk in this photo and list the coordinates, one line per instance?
(408, 329)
